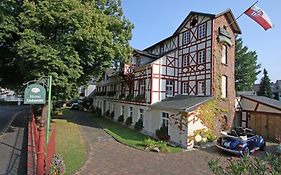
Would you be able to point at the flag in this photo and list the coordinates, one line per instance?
(258, 15)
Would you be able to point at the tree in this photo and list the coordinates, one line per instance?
(72, 40)
(246, 67)
(265, 85)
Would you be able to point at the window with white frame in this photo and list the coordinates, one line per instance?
(202, 31)
(165, 119)
(185, 60)
(186, 37)
(169, 88)
(142, 86)
(141, 114)
(201, 57)
(224, 86)
(201, 88)
(185, 88)
(122, 110)
(224, 54)
(131, 112)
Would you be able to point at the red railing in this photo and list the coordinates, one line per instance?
(51, 149)
(37, 149)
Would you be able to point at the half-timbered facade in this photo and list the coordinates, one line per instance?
(195, 62)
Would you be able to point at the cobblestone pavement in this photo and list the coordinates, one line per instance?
(109, 157)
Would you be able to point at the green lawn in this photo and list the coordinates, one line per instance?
(128, 136)
(70, 145)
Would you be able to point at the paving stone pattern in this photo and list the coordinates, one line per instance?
(109, 157)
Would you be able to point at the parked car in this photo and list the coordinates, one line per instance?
(75, 106)
(241, 141)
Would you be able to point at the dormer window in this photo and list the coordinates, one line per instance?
(202, 31)
(186, 37)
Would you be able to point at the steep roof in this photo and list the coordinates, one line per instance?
(264, 100)
(228, 13)
(181, 102)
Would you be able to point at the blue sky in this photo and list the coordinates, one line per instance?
(155, 20)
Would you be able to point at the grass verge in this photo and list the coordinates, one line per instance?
(129, 136)
(70, 145)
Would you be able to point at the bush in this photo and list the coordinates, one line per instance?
(140, 98)
(139, 125)
(107, 113)
(129, 97)
(151, 144)
(269, 164)
(162, 133)
(121, 119)
(206, 133)
(112, 115)
(129, 121)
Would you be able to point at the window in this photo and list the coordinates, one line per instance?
(185, 87)
(201, 57)
(185, 60)
(131, 112)
(142, 87)
(141, 114)
(122, 110)
(223, 86)
(224, 54)
(201, 88)
(169, 88)
(186, 37)
(202, 31)
(165, 119)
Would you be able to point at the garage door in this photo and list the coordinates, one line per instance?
(267, 125)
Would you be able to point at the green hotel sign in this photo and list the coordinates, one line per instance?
(35, 94)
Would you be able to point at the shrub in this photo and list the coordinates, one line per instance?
(140, 98)
(139, 125)
(112, 115)
(151, 144)
(162, 133)
(206, 133)
(129, 97)
(107, 113)
(129, 121)
(121, 119)
(269, 164)
(121, 96)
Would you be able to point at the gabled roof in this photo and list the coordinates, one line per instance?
(181, 102)
(264, 100)
(229, 15)
(145, 53)
(188, 16)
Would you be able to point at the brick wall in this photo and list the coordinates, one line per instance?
(220, 69)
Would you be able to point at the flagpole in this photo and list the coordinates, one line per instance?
(242, 13)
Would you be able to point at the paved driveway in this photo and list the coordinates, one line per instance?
(107, 156)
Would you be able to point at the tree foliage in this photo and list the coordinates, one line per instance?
(72, 40)
(265, 85)
(246, 67)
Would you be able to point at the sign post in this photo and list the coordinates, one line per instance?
(49, 107)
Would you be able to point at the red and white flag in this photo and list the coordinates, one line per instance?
(259, 16)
